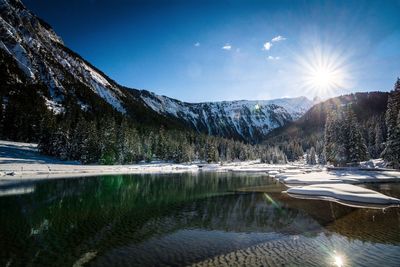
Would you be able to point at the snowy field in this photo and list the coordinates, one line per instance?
(22, 162)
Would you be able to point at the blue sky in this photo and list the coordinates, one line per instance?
(227, 50)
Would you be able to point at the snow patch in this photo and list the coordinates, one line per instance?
(96, 76)
(246, 117)
(109, 97)
(338, 176)
(344, 192)
(20, 55)
(55, 107)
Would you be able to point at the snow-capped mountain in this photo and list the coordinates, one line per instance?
(248, 120)
(30, 45)
(42, 56)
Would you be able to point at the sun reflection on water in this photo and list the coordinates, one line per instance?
(338, 260)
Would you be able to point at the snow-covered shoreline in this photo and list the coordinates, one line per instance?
(21, 162)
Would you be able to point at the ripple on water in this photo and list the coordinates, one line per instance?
(325, 250)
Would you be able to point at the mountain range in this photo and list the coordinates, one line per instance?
(32, 53)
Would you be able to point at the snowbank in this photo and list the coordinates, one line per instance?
(339, 185)
(346, 193)
(338, 176)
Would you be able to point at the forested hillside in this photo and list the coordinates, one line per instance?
(369, 110)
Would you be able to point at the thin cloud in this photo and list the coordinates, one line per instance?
(197, 44)
(278, 38)
(227, 47)
(267, 46)
(273, 58)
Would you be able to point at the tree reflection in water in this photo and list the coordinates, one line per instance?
(180, 219)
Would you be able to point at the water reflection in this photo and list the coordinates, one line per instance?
(338, 260)
(183, 219)
(16, 190)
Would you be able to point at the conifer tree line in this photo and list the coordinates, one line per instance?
(344, 142)
(109, 141)
(347, 142)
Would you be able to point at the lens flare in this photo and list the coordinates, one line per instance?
(323, 71)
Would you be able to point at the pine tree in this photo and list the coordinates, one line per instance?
(391, 153)
(357, 150)
(107, 141)
(330, 138)
(91, 149)
(396, 144)
(161, 150)
(147, 146)
(78, 137)
(58, 144)
(311, 156)
(378, 142)
(212, 152)
(370, 138)
(319, 150)
(392, 150)
(344, 142)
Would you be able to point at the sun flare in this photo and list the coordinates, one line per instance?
(324, 72)
(322, 78)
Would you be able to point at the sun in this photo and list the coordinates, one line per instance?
(322, 78)
(323, 72)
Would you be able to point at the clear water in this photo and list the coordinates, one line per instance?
(204, 219)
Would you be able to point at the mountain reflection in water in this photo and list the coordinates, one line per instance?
(183, 219)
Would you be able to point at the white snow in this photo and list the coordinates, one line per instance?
(108, 96)
(16, 191)
(96, 76)
(295, 106)
(55, 107)
(338, 176)
(373, 164)
(163, 104)
(344, 192)
(340, 185)
(244, 116)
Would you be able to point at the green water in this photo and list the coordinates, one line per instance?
(208, 219)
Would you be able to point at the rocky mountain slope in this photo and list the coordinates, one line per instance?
(32, 53)
(243, 119)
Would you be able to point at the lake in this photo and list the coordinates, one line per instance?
(203, 219)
